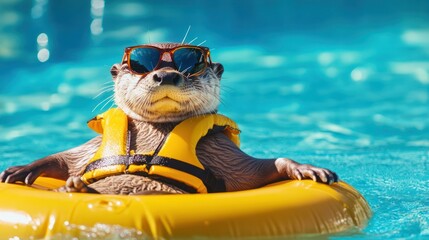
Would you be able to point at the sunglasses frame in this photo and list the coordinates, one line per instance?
(162, 51)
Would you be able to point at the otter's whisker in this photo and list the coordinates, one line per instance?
(186, 34)
(148, 36)
(113, 104)
(186, 69)
(108, 99)
(193, 40)
(201, 43)
(108, 86)
(107, 82)
(107, 89)
(217, 73)
(192, 108)
(143, 104)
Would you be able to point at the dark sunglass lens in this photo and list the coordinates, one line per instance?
(189, 60)
(144, 60)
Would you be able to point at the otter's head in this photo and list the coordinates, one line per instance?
(167, 82)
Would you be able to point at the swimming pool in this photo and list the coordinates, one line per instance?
(343, 85)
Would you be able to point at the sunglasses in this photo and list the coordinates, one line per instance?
(187, 59)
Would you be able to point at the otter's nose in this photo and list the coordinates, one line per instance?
(168, 78)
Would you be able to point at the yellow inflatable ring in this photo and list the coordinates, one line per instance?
(281, 209)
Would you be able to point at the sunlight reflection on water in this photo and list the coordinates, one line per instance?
(347, 90)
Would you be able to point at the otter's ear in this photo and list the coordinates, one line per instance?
(115, 70)
(218, 69)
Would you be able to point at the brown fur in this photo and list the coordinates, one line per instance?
(137, 97)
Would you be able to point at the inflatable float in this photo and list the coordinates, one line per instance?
(281, 209)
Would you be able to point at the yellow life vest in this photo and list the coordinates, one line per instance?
(175, 160)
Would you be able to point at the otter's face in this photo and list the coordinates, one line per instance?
(165, 94)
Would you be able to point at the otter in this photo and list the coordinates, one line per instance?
(158, 86)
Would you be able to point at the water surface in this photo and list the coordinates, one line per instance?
(343, 85)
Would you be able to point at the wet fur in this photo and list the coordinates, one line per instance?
(137, 97)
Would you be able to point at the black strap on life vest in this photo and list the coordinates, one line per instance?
(210, 181)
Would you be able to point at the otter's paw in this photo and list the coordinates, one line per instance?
(26, 174)
(75, 184)
(306, 171)
(293, 170)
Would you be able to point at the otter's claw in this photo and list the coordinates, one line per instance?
(294, 170)
(306, 171)
(75, 184)
(26, 174)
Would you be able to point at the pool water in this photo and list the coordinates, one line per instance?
(338, 84)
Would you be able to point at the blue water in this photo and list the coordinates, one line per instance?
(339, 84)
